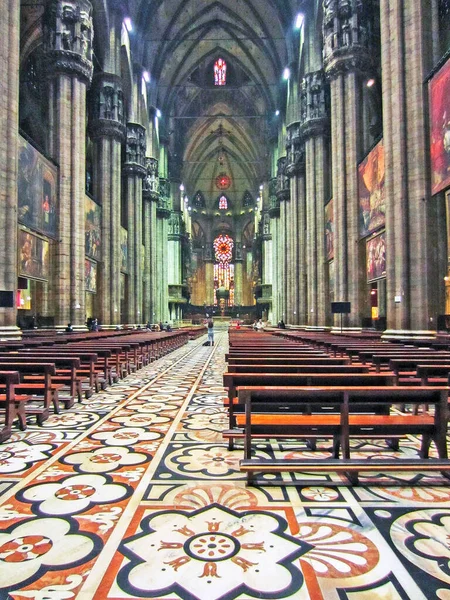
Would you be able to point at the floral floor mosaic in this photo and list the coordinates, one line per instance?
(133, 494)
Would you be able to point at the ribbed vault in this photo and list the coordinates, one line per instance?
(217, 129)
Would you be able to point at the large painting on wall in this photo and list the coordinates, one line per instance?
(33, 256)
(376, 257)
(372, 199)
(329, 230)
(92, 231)
(37, 190)
(90, 276)
(124, 249)
(439, 98)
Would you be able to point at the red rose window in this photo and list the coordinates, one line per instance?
(223, 181)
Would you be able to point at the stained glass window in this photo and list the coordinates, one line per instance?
(199, 200)
(224, 277)
(223, 203)
(223, 248)
(220, 72)
(247, 199)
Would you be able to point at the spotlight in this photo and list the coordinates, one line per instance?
(277, 112)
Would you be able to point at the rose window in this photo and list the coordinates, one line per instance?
(223, 248)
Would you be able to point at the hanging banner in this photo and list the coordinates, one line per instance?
(372, 200)
(376, 257)
(329, 230)
(439, 101)
(36, 184)
(33, 255)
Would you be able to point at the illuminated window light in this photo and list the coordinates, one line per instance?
(128, 24)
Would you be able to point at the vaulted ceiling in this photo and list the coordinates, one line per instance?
(217, 129)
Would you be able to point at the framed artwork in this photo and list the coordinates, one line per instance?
(372, 199)
(329, 230)
(37, 190)
(33, 256)
(92, 231)
(376, 257)
(439, 103)
(90, 276)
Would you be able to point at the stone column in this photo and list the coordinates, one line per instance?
(68, 56)
(134, 171)
(295, 170)
(347, 29)
(150, 195)
(282, 193)
(271, 260)
(174, 258)
(406, 56)
(209, 272)
(9, 125)
(163, 212)
(313, 129)
(238, 273)
(108, 133)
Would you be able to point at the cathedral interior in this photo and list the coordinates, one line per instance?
(169, 161)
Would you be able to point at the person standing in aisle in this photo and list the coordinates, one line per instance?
(211, 332)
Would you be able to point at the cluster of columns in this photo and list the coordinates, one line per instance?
(324, 140)
(128, 191)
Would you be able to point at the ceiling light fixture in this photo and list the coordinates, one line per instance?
(299, 20)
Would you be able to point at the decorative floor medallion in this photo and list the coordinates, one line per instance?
(134, 494)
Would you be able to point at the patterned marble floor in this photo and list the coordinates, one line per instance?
(133, 494)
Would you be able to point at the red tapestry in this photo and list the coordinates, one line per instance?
(439, 96)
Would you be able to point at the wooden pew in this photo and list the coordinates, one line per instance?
(287, 367)
(232, 381)
(293, 360)
(42, 390)
(259, 421)
(12, 403)
(65, 373)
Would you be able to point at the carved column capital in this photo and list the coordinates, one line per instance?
(163, 208)
(295, 150)
(313, 94)
(274, 203)
(107, 113)
(282, 190)
(347, 35)
(177, 227)
(68, 34)
(135, 150)
(208, 253)
(150, 188)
